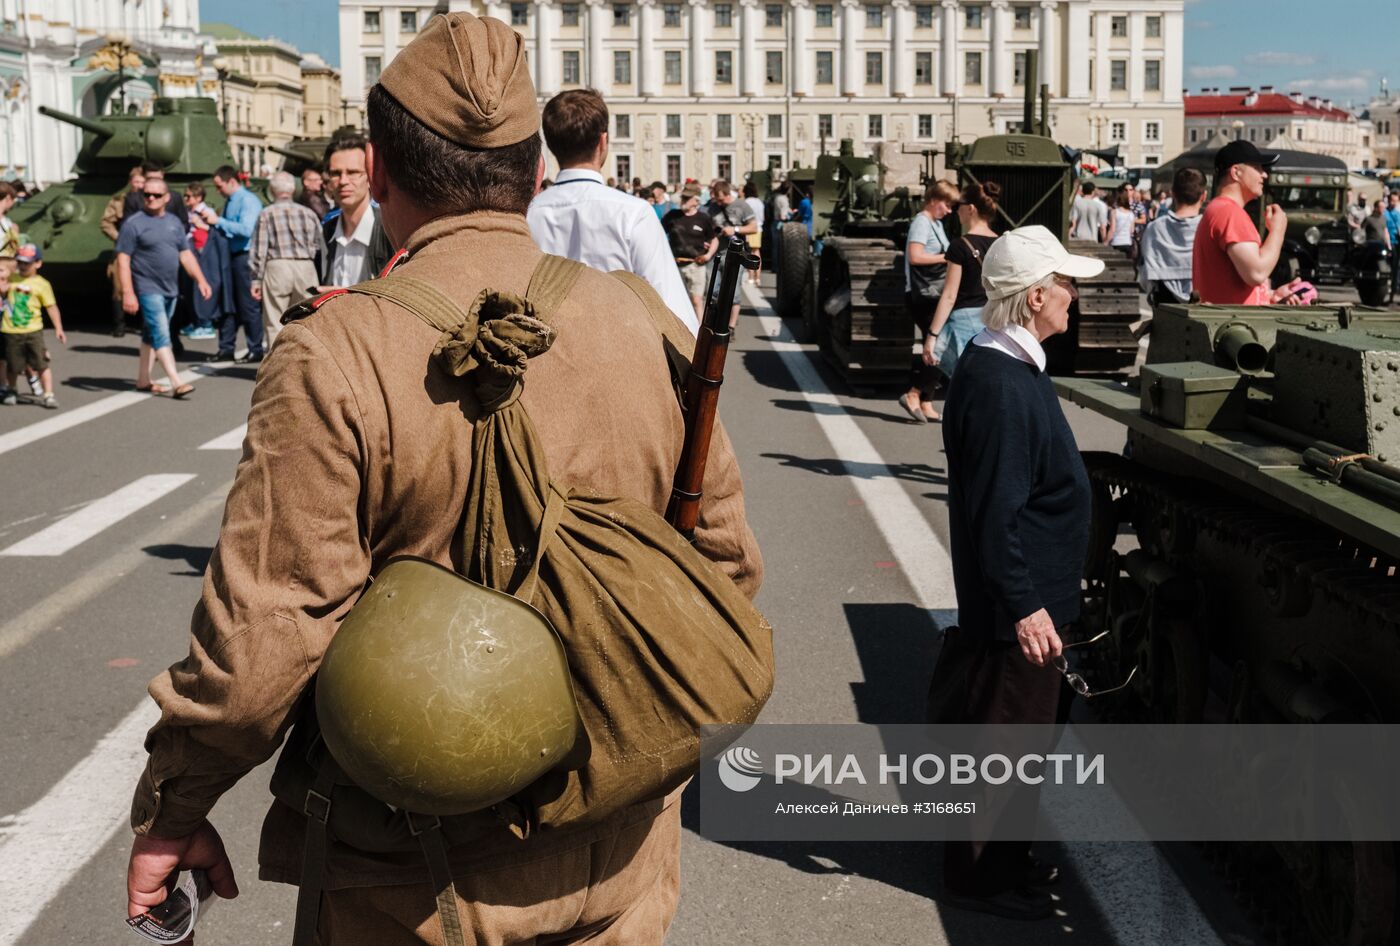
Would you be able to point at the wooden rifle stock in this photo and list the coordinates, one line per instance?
(702, 386)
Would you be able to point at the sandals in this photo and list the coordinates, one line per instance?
(152, 388)
(183, 391)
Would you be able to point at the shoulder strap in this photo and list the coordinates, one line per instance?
(972, 249)
(679, 345)
(551, 283)
(424, 300)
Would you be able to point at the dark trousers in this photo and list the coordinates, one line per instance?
(978, 680)
(922, 376)
(246, 311)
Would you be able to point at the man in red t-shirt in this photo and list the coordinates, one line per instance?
(1229, 266)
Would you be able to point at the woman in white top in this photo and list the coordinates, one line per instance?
(1120, 224)
(925, 270)
(756, 238)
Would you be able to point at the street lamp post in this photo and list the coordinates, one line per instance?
(120, 47)
(222, 70)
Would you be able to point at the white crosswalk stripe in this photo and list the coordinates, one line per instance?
(76, 528)
(43, 846)
(233, 440)
(69, 418)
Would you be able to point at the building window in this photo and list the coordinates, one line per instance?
(923, 68)
(371, 21)
(408, 21)
(1253, 133)
(1118, 26)
(1118, 75)
(874, 68)
(724, 14)
(570, 14)
(824, 14)
(972, 68)
(724, 66)
(1022, 17)
(874, 126)
(1152, 160)
(972, 17)
(825, 126)
(724, 166)
(1152, 75)
(373, 66)
(1152, 132)
(1118, 131)
(673, 126)
(923, 16)
(724, 126)
(1154, 27)
(519, 14)
(622, 125)
(825, 67)
(673, 168)
(773, 67)
(775, 126)
(1018, 69)
(571, 70)
(671, 14)
(672, 67)
(773, 14)
(874, 16)
(622, 14)
(622, 66)
(925, 126)
(623, 167)
(1193, 136)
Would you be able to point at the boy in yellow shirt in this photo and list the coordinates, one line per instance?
(22, 325)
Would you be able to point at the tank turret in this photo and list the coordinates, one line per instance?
(181, 135)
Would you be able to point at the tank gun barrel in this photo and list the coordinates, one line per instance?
(294, 155)
(86, 124)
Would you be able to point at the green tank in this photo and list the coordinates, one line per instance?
(1243, 556)
(183, 135)
(303, 153)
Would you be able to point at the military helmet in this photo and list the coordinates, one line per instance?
(441, 696)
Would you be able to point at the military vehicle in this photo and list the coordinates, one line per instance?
(183, 135)
(1312, 190)
(1261, 481)
(1037, 182)
(302, 153)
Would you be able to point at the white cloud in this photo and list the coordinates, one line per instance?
(1274, 58)
(1212, 72)
(1332, 84)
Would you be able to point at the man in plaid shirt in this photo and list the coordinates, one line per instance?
(286, 244)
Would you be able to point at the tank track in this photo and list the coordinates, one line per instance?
(1299, 895)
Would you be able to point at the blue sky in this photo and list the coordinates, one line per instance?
(1335, 48)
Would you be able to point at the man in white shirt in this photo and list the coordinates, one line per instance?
(357, 248)
(580, 217)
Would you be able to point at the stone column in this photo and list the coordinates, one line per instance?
(901, 60)
(852, 69)
(801, 26)
(1048, 72)
(1172, 32)
(646, 47)
(544, 48)
(750, 68)
(1137, 29)
(1077, 49)
(598, 73)
(948, 49)
(699, 63)
(998, 57)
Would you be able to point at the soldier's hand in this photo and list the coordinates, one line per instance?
(1038, 638)
(155, 859)
(1275, 218)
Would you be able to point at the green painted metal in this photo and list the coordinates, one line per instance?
(1194, 395)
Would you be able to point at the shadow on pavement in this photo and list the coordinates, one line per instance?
(195, 556)
(83, 383)
(894, 416)
(916, 472)
(113, 349)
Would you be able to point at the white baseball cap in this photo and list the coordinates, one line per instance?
(1021, 258)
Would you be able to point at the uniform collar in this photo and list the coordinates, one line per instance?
(485, 224)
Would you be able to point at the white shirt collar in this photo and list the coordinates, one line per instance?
(579, 174)
(1016, 341)
(364, 231)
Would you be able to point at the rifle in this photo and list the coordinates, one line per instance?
(702, 383)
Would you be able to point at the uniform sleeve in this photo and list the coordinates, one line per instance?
(653, 260)
(723, 534)
(290, 560)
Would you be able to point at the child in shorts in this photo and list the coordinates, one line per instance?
(22, 326)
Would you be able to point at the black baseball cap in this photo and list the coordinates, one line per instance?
(1243, 152)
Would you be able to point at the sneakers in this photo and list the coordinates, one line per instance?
(8, 396)
(36, 387)
(205, 332)
(50, 401)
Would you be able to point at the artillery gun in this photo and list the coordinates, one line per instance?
(183, 136)
(1261, 481)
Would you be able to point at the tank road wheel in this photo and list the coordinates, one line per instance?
(1174, 671)
(1349, 888)
(794, 268)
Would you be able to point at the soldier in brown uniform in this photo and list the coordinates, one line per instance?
(358, 451)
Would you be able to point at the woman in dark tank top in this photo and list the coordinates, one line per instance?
(959, 314)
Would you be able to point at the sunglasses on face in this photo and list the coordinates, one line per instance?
(152, 195)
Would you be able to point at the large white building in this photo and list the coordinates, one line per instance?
(702, 88)
(53, 52)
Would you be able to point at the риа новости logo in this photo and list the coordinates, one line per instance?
(740, 769)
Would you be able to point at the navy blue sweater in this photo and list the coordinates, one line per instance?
(1018, 496)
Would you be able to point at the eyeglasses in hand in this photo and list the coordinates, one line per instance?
(1078, 683)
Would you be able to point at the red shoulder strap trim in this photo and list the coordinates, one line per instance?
(398, 257)
(326, 297)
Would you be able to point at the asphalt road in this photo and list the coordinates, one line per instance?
(106, 526)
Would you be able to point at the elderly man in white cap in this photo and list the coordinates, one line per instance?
(1018, 510)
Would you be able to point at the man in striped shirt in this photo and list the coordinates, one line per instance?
(286, 243)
